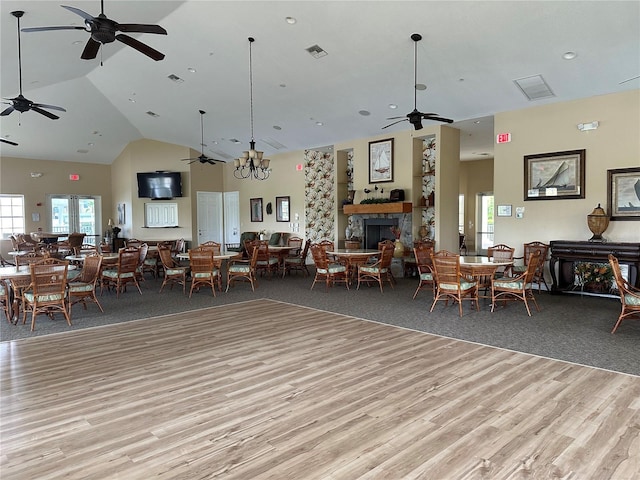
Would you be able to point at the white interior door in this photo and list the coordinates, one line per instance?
(209, 205)
(231, 217)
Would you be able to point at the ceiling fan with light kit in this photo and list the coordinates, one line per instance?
(415, 117)
(21, 103)
(103, 30)
(202, 158)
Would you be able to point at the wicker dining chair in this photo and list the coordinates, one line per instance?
(83, 287)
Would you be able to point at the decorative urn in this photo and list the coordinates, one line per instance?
(598, 221)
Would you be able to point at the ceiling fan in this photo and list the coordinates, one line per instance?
(415, 117)
(103, 30)
(20, 103)
(202, 158)
(4, 140)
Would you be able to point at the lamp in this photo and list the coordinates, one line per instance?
(598, 221)
(251, 164)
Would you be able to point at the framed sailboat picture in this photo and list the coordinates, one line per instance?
(623, 193)
(381, 161)
(554, 176)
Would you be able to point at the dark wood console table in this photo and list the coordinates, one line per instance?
(565, 253)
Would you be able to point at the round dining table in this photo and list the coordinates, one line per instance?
(353, 258)
(481, 269)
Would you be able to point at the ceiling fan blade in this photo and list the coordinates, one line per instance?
(4, 140)
(7, 111)
(90, 50)
(50, 107)
(77, 11)
(45, 29)
(141, 47)
(189, 159)
(437, 119)
(140, 28)
(403, 120)
(395, 118)
(45, 113)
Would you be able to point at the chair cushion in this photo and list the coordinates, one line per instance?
(214, 273)
(114, 274)
(333, 269)
(175, 271)
(43, 298)
(239, 268)
(293, 260)
(366, 269)
(454, 286)
(81, 287)
(519, 268)
(426, 276)
(3, 288)
(271, 261)
(511, 285)
(151, 261)
(631, 299)
(71, 274)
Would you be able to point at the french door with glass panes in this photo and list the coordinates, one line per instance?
(75, 213)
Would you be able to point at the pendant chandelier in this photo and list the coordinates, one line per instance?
(251, 164)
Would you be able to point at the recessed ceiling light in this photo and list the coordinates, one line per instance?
(77, 42)
(421, 86)
(393, 106)
(477, 122)
(282, 85)
(461, 79)
(569, 55)
(319, 124)
(277, 127)
(152, 114)
(290, 20)
(191, 70)
(235, 140)
(364, 113)
(132, 100)
(91, 144)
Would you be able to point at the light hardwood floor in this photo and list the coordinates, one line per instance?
(265, 389)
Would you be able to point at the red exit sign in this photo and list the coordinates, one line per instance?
(74, 177)
(503, 138)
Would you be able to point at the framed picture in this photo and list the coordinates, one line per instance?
(504, 210)
(623, 193)
(122, 214)
(381, 161)
(554, 176)
(282, 209)
(256, 209)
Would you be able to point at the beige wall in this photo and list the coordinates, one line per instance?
(148, 156)
(16, 178)
(552, 128)
(285, 180)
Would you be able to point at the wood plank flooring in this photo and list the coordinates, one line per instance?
(268, 390)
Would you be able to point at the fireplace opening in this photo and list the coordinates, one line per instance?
(378, 229)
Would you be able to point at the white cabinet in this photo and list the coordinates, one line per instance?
(161, 214)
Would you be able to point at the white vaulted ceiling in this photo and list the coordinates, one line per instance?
(469, 57)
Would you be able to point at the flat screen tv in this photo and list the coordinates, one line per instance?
(159, 185)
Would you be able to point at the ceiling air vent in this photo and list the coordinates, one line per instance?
(273, 143)
(175, 78)
(317, 52)
(534, 87)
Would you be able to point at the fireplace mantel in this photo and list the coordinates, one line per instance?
(375, 208)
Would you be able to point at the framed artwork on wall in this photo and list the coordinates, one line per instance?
(381, 161)
(256, 209)
(122, 216)
(504, 210)
(282, 209)
(623, 193)
(554, 176)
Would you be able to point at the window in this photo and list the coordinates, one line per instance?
(11, 215)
